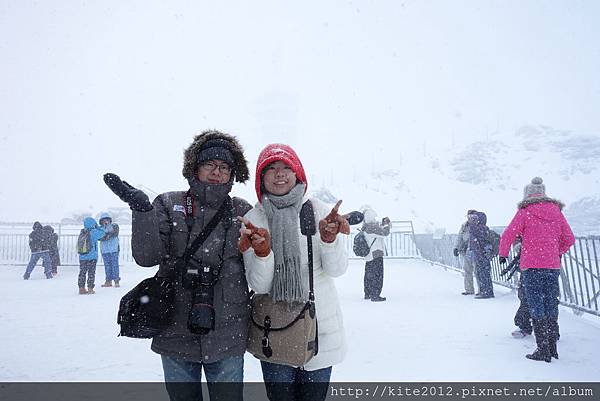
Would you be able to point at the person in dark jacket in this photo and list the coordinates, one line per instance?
(161, 232)
(522, 316)
(546, 237)
(39, 243)
(479, 252)
(52, 239)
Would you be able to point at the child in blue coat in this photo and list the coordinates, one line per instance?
(88, 260)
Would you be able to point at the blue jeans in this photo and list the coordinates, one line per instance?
(542, 292)
(111, 266)
(286, 383)
(225, 379)
(46, 262)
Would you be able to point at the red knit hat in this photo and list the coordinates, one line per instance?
(278, 152)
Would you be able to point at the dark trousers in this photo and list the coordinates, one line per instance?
(373, 281)
(483, 272)
(55, 258)
(542, 292)
(286, 383)
(522, 317)
(87, 268)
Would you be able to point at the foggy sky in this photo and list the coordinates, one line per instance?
(91, 87)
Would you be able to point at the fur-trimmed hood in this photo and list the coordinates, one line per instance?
(539, 199)
(190, 163)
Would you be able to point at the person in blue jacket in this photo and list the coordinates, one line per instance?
(109, 247)
(88, 260)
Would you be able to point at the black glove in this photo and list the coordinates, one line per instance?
(455, 251)
(136, 198)
(502, 260)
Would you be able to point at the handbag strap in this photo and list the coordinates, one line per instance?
(308, 228)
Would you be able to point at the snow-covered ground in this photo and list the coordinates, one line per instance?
(426, 331)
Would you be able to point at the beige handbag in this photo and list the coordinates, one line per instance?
(286, 332)
(282, 332)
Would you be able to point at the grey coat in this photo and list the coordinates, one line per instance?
(160, 236)
(462, 241)
(374, 234)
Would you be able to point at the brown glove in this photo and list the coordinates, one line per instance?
(253, 237)
(332, 224)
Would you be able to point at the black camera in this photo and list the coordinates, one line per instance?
(201, 319)
(200, 279)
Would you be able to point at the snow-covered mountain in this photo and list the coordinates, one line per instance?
(434, 187)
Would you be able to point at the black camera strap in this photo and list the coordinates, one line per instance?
(206, 231)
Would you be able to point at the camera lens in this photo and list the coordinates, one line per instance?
(201, 318)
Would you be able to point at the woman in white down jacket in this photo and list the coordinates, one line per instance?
(276, 262)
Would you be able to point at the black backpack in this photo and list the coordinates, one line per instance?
(494, 241)
(361, 247)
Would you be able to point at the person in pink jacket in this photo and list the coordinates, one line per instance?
(546, 236)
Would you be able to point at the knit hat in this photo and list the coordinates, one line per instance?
(535, 189)
(471, 211)
(278, 152)
(216, 149)
(370, 216)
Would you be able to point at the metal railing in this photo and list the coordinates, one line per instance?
(579, 273)
(400, 244)
(14, 249)
(14, 243)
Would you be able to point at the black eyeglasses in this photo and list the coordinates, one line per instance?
(211, 166)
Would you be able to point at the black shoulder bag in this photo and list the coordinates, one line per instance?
(147, 309)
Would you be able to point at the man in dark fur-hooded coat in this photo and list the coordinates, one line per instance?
(211, 164)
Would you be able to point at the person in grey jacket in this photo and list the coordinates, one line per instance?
(461, 247)
(162, 231)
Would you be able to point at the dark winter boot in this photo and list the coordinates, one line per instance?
(91, 291)
(542, 353)
(552, 337)
(108, 283)
(117, 283)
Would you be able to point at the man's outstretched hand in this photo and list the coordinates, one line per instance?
(136, 198)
